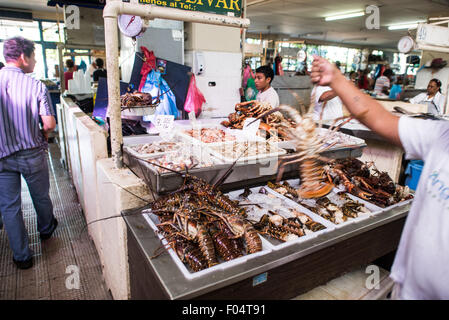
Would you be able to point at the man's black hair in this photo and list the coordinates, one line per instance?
(14, 47)
(267, 71)
(437, 82)
(388, 73)
(69, 63)
(99, 62)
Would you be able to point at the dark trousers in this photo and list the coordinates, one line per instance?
(32, 165)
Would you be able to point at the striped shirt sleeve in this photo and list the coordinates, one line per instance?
(45, 104)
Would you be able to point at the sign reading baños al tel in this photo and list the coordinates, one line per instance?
(226, 7)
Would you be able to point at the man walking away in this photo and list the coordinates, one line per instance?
(24, 105)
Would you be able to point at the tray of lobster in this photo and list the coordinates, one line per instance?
(337, 207)
(203, 229)
(281, 222)
(137, 104)
(273, 125)
(366, 182)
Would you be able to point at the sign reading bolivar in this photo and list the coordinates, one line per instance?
(211, 6)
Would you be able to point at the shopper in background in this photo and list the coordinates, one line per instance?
(353, 77)
(278, 65)
(68, 75)
(91, 69)
(100, 72)
(264, 77)
(363, 81)
(433, 98)
(383, 82)
(396, 90)
(422, 259)
(24, 103)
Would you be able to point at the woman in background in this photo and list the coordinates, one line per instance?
(433, 98)
(68, 75)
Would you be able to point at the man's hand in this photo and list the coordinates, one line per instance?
(323, 72)
(45, 134)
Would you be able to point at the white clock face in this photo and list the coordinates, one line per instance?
(405, 44)
(131, 26)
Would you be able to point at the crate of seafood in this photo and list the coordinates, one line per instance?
(338, 207)
(246, 151)
(333, 140)
(153, 149)
(213, 136)
(205, 249)
(282, 223)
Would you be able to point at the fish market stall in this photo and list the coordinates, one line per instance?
(253, 238)
(298, 250)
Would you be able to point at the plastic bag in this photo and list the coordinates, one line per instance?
(157, 86)
(195, 98)
(250, 91)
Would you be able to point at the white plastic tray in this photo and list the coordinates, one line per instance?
(153, 220)
(130, 150)
(220, 156)
(239, 137)
(140, 111)
(348, 139)
(193, 140)
(294, 183)
(277, 244)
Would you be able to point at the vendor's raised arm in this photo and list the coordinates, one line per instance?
(367, 110)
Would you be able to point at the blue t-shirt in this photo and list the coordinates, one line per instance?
(395, 91)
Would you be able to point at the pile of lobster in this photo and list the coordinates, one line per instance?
(287, 229)
(274, 124)
(136, 99)
(371, 185)
(324, 206)
(275, 218)
(202, 225)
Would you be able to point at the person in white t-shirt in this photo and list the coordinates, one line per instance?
(264, 76)
(326, 98)
(433, 98)
(422, 259)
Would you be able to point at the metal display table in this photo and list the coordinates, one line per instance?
(280, 274)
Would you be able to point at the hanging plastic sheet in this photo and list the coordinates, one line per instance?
(176, 75)
(101, 101)
(149, 63)
(158, 87)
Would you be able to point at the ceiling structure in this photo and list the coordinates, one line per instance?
(36, 5)
(304, 19)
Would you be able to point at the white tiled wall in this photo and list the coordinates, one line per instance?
(225, 70)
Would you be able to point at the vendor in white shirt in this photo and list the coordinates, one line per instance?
(326, 98)
(264, 76)
(433, 98)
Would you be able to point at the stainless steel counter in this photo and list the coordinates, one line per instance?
(175, 286)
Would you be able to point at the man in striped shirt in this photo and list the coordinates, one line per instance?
(26, 118)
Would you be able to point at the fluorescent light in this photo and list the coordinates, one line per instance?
(345, 16)
(406, 25)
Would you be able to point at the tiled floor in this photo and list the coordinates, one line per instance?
(67, 266)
